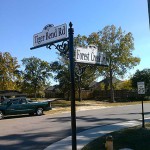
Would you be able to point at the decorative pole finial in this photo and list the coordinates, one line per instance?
(70, 24)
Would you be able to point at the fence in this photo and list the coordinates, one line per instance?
(105, 94)
(119, 95)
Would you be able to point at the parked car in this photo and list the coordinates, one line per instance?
(22, 105)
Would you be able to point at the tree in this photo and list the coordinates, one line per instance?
(61, 68)
(85, 74)
(141, 76)
(80, 41)
(125, 85)
(8, 72)
(118, 46)
(36, 74)
(88, 74)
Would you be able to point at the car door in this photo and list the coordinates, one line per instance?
(13, 107)
(24, 106)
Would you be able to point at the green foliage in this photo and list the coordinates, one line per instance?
(9, 76)
(61, 70)
(36, 74)
(102, 86)
(85, 74)
(88, 74)
(80, 41)
(118, 47)
(125, 85)
(142, 76)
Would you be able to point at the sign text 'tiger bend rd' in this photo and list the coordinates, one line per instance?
(52, 34)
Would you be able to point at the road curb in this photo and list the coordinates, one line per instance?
(83, 138)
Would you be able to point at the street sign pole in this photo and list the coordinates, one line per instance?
(148, 1)
(73, 111)
(51, 36)
(143, 122)
(141, 91)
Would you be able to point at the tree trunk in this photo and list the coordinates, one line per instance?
(111, 87)
(80, 90)
(35, 95)
(35, 92)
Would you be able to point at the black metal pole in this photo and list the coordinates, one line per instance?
(143, 122)
(73, 111)
(79, 84)
(148, 1)
(79, 81)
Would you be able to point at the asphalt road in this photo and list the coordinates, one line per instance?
(38, 132)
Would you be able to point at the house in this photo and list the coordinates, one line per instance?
(11, 93)
(105, 82)
(52, 92)
(94, 85)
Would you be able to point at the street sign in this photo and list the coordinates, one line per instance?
(49, 37)
(90, 55)
(141, 87)
(50, 34)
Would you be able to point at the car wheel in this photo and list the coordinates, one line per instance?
(1, 115)
(39, 111)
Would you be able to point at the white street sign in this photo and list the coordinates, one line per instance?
(141, 87)
(90, 55)
(50, 35)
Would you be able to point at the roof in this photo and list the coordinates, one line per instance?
(50, 88)
(11, 93)
(93, 84)
(107, 80)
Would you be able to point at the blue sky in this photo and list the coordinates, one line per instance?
(21, 19)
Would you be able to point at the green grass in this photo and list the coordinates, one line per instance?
(59, 106)
(65, 103)
(136, 138)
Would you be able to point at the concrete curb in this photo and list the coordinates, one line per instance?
(83, 138)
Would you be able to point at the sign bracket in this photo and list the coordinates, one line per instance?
(62, 48)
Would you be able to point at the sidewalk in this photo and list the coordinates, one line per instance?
(87, 136)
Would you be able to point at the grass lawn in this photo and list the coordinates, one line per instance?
(60, 106)
(136, 138)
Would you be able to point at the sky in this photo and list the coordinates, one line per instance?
(21, 19)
